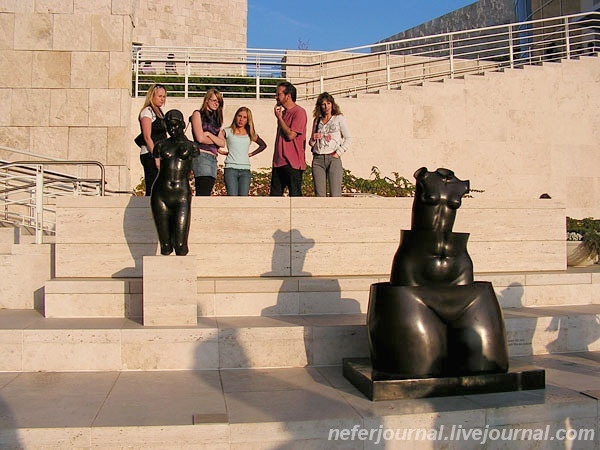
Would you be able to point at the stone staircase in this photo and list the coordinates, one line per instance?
(261, 369)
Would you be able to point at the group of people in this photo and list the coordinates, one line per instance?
(329, 139)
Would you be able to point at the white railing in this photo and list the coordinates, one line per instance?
(253, 73)
(28, 190)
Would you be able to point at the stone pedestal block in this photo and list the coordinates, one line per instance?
(169, 291)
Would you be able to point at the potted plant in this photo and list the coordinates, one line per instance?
(583, 241)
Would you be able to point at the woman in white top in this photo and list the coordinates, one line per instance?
(329, 140)
(238, 136)
(153, 131)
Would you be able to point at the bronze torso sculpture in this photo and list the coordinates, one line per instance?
(432, 319)
(171, 197)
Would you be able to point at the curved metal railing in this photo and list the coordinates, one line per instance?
(253, 73)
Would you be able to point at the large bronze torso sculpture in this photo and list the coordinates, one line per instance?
(432, 319)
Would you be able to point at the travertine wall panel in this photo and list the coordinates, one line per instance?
(101, 102)
(5, 100)
(191, 23)
(274, 237)
(30, 107)
(119, 73)
(12, 77)
(92, 6)
(69, 107)
(107, 33)
(7, 24)
(15, 137)
(51, 70)
(54, 6)
(72, 32)
(51, 141)
(89, 69)
(23, 6)
(88, 143)
(117, 145)
(33, 32)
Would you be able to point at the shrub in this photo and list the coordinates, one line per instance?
(397, 186)
(588, 231)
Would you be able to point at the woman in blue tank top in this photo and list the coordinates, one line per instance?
(239, 135)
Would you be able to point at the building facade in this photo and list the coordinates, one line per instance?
(191, 23)
(65, 70)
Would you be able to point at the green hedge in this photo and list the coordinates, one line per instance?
(244, 87)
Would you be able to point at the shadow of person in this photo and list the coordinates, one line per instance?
(520, 330)
(331, 323)
(588, 332)
(286, 390)
(9, 437)
(281, 259)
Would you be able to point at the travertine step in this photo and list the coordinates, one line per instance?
(30, 342)
(262, 296)
(298, 408)
(25, 269)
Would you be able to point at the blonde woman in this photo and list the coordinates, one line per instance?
(330, 139)
(206, 129)
(153, 131)
(238, 136)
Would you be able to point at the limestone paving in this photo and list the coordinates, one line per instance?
(274, 408)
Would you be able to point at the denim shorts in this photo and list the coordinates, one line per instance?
(205, 165)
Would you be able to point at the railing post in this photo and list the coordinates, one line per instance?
(511, 55)
(388, 73)
(567, 38)
(39, 203)
(451, 54)
(187, 75)
(257, 75)
(137, 72)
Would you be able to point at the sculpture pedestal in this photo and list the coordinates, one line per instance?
(359, 372)
(170, 291)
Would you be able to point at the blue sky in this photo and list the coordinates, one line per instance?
(337, 24)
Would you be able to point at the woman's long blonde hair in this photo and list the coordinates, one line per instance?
(149, 98)
(249, 124)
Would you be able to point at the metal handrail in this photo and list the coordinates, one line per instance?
(102, 181)
(190, 71)
(20, 193)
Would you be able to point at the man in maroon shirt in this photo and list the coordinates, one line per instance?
(288, 158)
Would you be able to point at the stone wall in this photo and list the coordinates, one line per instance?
(191, 23)
(542, 9)
(65, 76)
(282, 237)
(483, 13)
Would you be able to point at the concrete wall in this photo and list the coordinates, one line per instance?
(515, 135)
(191, 23)
(279, 237)
(65, 76)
